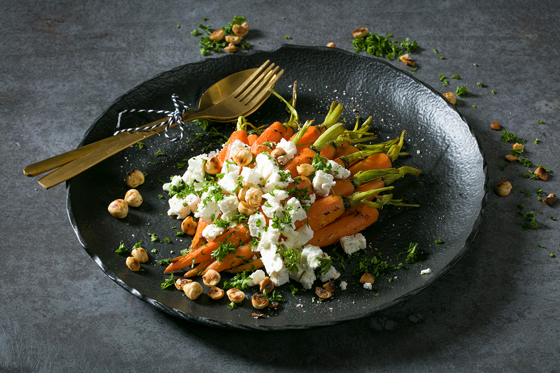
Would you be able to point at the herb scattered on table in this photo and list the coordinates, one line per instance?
(168, 283)
(383, 46)
(461, 90)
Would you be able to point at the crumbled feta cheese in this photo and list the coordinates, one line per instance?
(207, 209)
(368, 286)
(276, 195)
(343, 285)
(310, 256)
(256, 277)
(338, 171)
(229, 204)
(178, 207)
(195, 172)
(322, 183)
(192, 201)
(272, 209)
(257, 224)
(426, 271)
(175, 181)
(266, 165)
(289, 147)
(280, 278)
(280, 179)
(353, 243)
(229, 182)
(251, 177)
(293, 206)
(332, 274)
(307, 278)
(267, 240)
(310, 200)
(274, 265)
(230, 166)
(212, 231)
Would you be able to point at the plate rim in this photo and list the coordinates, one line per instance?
(477, 223)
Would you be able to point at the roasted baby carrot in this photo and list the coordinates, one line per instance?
(242, 254)
(252, 138)
(199, 268)
(373, 162)
(235, 236)
(251, 266)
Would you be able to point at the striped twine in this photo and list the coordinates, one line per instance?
(175, 116)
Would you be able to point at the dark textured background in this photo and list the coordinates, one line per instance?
(62, 63)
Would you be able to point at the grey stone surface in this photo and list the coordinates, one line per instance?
(63, 62)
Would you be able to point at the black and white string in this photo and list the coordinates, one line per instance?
(175, 116)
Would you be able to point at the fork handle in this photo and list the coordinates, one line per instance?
(103, 152)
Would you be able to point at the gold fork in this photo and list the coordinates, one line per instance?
(243, 100)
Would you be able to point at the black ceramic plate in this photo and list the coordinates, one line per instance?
(451, 189)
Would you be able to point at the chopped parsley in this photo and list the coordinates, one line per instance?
(461, 90)
(325, 265)
(411, 253)
(274, 297)
(439, 241)
(168, 283)
(153, 237)
(195, 32)
(293, 289)
(164, 262)
(122, 248)
(223, 249)
(455, 76)
(291, 259)
(239, 281)
(381, 46)
(480, 84)
(540, 122)
(532, 223)
(510, 137)
(287, 37)
(139, 145)
(159, 153)
(435, 51)
(232, 306)
(321, 164)
(492, 91)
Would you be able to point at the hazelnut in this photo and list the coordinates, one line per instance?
(259, 301)
(132, 263)
(518, 146)
(550, 200)
(541, 173)
(240, 30)
(211, 278)
(254, 197)
(329, 286)
(407, 60)
(367, 277)
(118, 208)
(134, 178)
(360, 32)
(503, 188)
(215, 293)
(180, 282)
(234, 39)
(242, 192)
(133, 198)
(140, 254)
(192, 290)
(189, 226)
(231, 48)
(495, 126)
(451, 97)
(323, 293)
(305, 169)
(246, 209)
(235, 295)
(331, 45)
(213, 166)
(243, 157)
(217, 35)
(278, 152)
(511, 158)
(266, 285)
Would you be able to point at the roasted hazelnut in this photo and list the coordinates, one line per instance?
(254, 197)
(231, 48)
(180, 282)
(134, 178)
(451, 97)
(518, 146)
(407, 60)
(133, 198)
(246, 209)
(511, 158)
(217, 35)
(266, 285)
(360, 32)
(240, 30)
(118, 208)
(495, 126)
(305, 169)
(503, 188)
(259, 301)
(330, 286)
(235, 295)
(215, 293)
(192, 290)
(331, 45)
(243, 157)
(189, 226)
(278, 152)
(140, 254)
(211, 278)
(234, 39)
(367, 277)
(550, 200)
(242, 192)
(541, 173)
(213, 166)
(323, 293)
(132, 263)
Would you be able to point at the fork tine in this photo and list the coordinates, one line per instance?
(259, 95)
(254, 89)
(256, 75)
(256, 82)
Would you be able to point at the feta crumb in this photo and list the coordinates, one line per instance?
(426, 271)
(266, 165)
(251, 177)
(332, 274)
(229, 204)
(353, 243)
(343, 285)
(256, 277)
(368, 286)
(192, 201)
(338, 171)
(235, 147)
(257, 224)
(289, 147)
(322, 183)
(175, 181)
(277, 179)
(230, 166)
(211, 232)
(229, 182)
(178, 207)
(195, 172)
(277, 195)
(293, 206)
(310, 256)
(272, 209)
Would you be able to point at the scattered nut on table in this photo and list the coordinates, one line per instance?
(118, 208)
(503, 188)
(495, 126)
(541, 173)
(550, 200)
(259, 301)
(331, 45)
(132, 263)
(360, 32)
(451, 97)
(215, 293)
(235, 295)
(511, 158)
(211, 278)
(192, 290)
(140, 254)
(134, 178)
(133, 198)
(189, 226)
